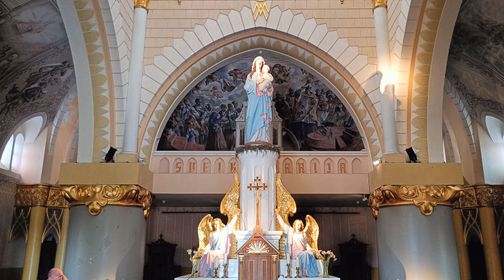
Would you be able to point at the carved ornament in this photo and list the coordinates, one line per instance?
(379, 3)
(95, 197)
(31, 195)
(257, 147)
(142, 4)
(482, 196)
(423, 197)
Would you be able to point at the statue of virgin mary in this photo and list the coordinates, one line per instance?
(259, 88)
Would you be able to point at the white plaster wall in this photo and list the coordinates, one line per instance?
(492, 156)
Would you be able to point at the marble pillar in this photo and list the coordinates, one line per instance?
(135, 81)
(34, 243)
(414, 246)
(463, 255)
(387, 82)
(107, 246)
(490, 243)
(62, 242)
(257, 162)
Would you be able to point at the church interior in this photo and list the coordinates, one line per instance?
(129, 147)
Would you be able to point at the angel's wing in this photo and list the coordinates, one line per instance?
(285, 203)
(312, 232)
(204, 231)
(230, 204)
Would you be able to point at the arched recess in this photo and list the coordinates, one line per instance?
(85, 28)
(428, 68)
(300, 51)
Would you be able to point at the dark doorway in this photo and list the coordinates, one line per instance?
(476, 258)
(47, 257)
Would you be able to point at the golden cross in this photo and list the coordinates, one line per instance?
(257, 186)
(260, 8)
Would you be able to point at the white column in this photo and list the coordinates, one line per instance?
(135, 79)
(260, 163)
(387, 82)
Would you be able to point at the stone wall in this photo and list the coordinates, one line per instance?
(8, 181)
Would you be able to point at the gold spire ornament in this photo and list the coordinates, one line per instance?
(261, 8)
(379, 3)
(142, 4)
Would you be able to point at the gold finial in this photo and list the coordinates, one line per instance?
(142, 4)
(379, 3)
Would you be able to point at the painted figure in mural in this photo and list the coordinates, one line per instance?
(302, 244)
(259, 88)
(214, 243)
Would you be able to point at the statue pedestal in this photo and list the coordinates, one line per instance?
(257, 160)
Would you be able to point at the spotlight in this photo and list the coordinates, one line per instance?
(109, 157)
(411, 154)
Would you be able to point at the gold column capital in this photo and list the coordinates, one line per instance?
(379, 3)
(95, 197)
(31, 195)
(425, 197)
(141, 4)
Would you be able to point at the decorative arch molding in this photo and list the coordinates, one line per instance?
(85, 28)
(425, 93)
(170, 77)
(452, 92)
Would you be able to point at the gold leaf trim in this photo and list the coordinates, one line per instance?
(31, 195)
(424, 197)
(95, 197)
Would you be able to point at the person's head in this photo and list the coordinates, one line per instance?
(265, 69)
(298, 225)
(218, 224)
(257, 64)
(56, 274)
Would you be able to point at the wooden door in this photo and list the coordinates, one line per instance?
(258, 267)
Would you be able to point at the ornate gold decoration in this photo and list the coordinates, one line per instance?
(230, 204)
(31, 195)
(95, 197)
(489, 196)
(53, 222)
(379, 3)
(286, 205)
(481, 196)
(143, 4)
(261, 8)
(56, 198)
(258, 247)
(423, 197)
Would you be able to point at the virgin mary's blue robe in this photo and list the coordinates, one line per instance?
(258, 112)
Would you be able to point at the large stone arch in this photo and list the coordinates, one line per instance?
(358, 100)
(427, 75)
(85, 27)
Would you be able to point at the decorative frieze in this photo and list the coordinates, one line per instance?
(425, 197)
(31, 195)
(95, 197)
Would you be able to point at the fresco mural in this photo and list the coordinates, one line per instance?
(476, 60)
(313, 116)
(36, 68)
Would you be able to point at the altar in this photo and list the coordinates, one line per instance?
(258, 242)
